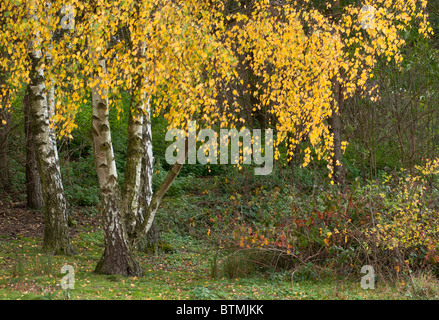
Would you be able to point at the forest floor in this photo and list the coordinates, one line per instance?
(183, 273)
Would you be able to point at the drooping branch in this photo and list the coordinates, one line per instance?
(143, 227)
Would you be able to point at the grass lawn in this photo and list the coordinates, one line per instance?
(184, 273)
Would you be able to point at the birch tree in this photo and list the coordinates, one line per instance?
(26, 35)
(41, 102)
(178, 60)
(129, 215)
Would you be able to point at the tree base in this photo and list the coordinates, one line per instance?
(54, 247)
(64, 251)
(150, 240)
(124, 265)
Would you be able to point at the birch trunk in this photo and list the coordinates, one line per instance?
(133, 168)
(151, 234)
(147, 164)
(140, 163)
(139, 172)
(56, 236)
(118, 257)
(150, 210)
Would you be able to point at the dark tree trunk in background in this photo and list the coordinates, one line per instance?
(5, 128)
(335, 128)
(34, 190)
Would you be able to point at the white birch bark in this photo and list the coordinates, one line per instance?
(140, 160)
(56, 236)
(117, 257)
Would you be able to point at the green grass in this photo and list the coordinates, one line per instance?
(195, 268)
(184, 274)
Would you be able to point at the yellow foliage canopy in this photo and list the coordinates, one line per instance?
(191, 51)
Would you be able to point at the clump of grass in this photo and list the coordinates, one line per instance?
(246, 262)
(18, 268)
(238, 265)
(214, 266)
(423, 285)
(203, 293)
(35, 266)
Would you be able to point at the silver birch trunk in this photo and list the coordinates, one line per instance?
(150, 210)
(139, 172)
(151, 233)
(140, 161)
(133, 169)
(118, 257)
(56, 236)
